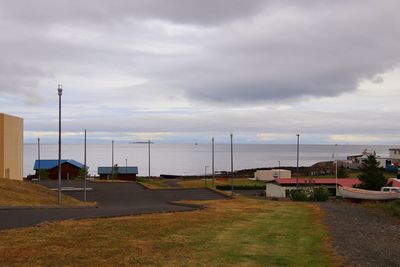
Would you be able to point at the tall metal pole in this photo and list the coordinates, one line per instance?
(297, 166)
(231, 164)
(212, 162)
(205, 176)
(59, 142)
(84, 169)
(126, 166)
(336, 178)
(149, 156)
(279, 169)
(112, 160)
(38, 140)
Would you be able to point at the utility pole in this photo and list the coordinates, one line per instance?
(84, 168)
(112, 160)
(212, 162)
(149, 142)
(126, 166)
(39, 159)
(231, 164)
(297, 166)
(205, 176)
(59, 89)
(279, 169)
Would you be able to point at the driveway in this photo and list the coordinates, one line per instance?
(365, 237)
(114, 199)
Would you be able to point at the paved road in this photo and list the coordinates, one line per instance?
(114, 199)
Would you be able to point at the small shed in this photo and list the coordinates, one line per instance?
(121, 172)
(70, 168)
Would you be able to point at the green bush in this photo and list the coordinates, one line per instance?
(241, 187)
(44, 175)
(319, 194)
(298, 195)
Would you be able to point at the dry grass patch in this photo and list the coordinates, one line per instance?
(240, 232)
(19, 193)
(158, 183)
(196, 183)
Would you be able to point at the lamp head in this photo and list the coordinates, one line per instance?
(59, 89)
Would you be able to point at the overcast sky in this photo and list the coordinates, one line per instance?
(187, 70)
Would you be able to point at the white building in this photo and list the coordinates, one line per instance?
(394, 153)
(280, 188)
(270, 175)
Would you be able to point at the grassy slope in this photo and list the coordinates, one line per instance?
(18, 193)
(241, 232)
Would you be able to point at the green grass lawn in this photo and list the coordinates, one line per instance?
(239, 232)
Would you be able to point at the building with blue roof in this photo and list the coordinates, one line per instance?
(70, 168)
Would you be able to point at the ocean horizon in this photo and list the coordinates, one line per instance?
(195, 159)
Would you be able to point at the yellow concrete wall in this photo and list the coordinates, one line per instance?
(11, 147)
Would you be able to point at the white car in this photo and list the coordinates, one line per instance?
(390, 189)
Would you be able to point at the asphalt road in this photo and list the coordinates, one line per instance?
(114, 199)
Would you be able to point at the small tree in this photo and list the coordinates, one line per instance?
(44, 174)
(371, 176)
(342, 172)
(115, 172)
(82, 172)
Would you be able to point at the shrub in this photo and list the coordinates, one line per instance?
(298, 195)
(44, 174)
(320, 194)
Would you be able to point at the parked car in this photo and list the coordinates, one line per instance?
(390, 189)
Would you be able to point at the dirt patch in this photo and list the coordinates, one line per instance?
(365, 237)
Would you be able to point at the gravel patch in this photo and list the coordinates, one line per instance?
(365, 237)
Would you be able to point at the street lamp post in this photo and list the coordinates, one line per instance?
(205, 176)
(279, 169)
(126, 166)
(84, 169)
(297, 166)
(231, 164)
(112, 160)
(212, 162)
(149, 142)
(59, 89)
(38, 140)
(336, 177)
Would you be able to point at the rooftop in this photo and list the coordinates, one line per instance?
(47, 164)
(121, 170)
(318, 181)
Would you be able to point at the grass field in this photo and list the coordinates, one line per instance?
(18, 193)
(240, 232)
(161, 183)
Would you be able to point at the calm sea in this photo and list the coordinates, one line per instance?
(186, 159)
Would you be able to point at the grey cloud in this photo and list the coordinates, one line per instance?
(178, 11)
(281, 51)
